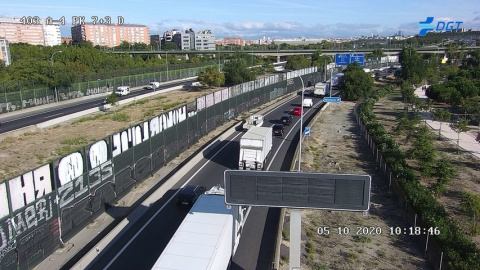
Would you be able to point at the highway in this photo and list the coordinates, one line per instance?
(140, 247)
(33, 117)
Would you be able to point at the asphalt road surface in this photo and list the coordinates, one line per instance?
(140, 247)
(58, 110)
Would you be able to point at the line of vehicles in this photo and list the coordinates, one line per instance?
(210, 233)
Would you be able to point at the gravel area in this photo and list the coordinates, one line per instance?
(356, 240)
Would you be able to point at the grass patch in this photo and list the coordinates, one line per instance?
(352, 256)
(172, 105)
(30, 133)
(9, 140)
(65, 150)
(40, 158)
(285, 235)
(310, 247)
(121, 117)
(75, 141)
(88, 118)
(362, 239)
(381, 254)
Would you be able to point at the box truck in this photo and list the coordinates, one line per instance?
(255, 147)
(254, 121)
(122, 91)
(321, 89)
(208, 237)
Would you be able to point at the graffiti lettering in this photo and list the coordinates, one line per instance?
(71, 95)
(7, 107)
(126, 139)
(38, 101)
(27, 188)
(70, 167)
(29, 218)
(100, 173)
(98, 90)
(98, 153)
(71, 190)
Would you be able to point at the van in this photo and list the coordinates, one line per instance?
(122, 91)
(153, 85)
(307, 102)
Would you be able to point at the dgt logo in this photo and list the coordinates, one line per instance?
(427, 26)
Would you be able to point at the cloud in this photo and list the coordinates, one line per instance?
(274, 29)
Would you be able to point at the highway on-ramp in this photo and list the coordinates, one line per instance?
(142, 244)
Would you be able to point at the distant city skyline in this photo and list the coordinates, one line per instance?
(255, 19)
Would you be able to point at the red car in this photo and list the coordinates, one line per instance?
(297, 111)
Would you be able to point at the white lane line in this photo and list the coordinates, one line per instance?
(173, 196)
(283, 141)
(53, 115)
(161, 208)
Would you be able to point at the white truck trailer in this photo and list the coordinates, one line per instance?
(208, 236)
(321, 89)
(255, 120)
(255, 146)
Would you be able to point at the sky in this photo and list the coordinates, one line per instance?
(254, 19)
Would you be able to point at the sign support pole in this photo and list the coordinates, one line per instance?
(295, 238)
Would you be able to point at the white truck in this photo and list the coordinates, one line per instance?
(122, 90)
(255, 147)
(336, 80)
(208, 237)
(321, 89)
(254, 121)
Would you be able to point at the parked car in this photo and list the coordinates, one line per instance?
(307, 102)
(286, 119)
(277, 130)
(297, 111)
(189, 194)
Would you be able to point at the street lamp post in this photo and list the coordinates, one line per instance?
(166, 60)
(53, 72)
(301, 123)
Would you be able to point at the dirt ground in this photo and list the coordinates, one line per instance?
(335, 146)
(467, 166)
(32, 149)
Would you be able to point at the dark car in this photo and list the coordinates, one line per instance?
(286, 119)
(278, 130)
(189, 194)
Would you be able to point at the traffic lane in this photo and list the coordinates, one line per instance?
(149, 244)
(257, 243)
(33, 118)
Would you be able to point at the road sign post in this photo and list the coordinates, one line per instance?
(332, 99)
(293, 190)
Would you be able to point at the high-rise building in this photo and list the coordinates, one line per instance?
(5, 52)
(35, 31)
(205, 41)
(186, 40)
(110, 35)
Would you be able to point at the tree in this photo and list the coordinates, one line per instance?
(296, 62)
(444, 172)
(356, 83)
(170, 46)
(112, 99)
(470, 204)
(459, 127)
(211, 77)
(424, 151)
(413, 66)
(237, 72)
(441, 115)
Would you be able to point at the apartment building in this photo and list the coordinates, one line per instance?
(35, 32)
(205, 41)
(5, 52)
(110, 35)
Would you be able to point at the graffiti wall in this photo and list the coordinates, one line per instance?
(48, 205)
